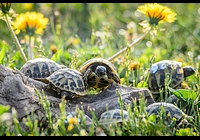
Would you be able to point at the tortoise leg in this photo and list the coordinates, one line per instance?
(113, 76)
(86, 75)
(68, 95)
(46, 87)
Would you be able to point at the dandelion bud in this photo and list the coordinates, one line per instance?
(53, 49)
(134, 66)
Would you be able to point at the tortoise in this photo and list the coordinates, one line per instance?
(107, 117)
(173, 100)
(67, 82)
(40, 68)
(178, 102)
(159, 71)
(113, 116)
(174, 111)
(99, 73)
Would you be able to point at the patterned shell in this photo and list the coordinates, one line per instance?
(176, 101)
(100, 82)
(169, 108)
(159, 71)
(113, 116)
(40, 68)
(68, 80)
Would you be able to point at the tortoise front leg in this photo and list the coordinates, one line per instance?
(86, 75)
(114, 77)
(67, 94)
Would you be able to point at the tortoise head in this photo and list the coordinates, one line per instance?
(188, 70)
(100, 71)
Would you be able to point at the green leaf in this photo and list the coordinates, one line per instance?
(185, 95)
(57, 55)
(142, 84)
(4, 109)
(2, 54)
(123, 72)
(185, 132)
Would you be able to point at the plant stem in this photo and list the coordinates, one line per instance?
(15, 38)
(30, 46)
(128, 46)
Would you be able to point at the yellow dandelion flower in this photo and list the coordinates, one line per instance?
(73, 41)
(157, 13)
(31, 23)
(73, 120)
(53, 48)
(134, 66)
(70, 127)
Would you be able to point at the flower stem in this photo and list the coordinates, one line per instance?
(128, 46)
(30, 46)
(15, 38)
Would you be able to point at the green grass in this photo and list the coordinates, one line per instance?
(86, 31)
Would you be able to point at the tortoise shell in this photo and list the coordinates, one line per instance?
(176, 101)
(166, 68)
(113, 116)
(99, 73)
(40, 68)
(68, 82)
(174, 111)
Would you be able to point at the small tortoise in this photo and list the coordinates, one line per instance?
(68, 82)
(178, 102)
(40, 68)
(99, 73)
(173, 69)
(107, 117)
(113, 116)
(174, 111)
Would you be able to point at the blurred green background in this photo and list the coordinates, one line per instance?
(85, 30)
